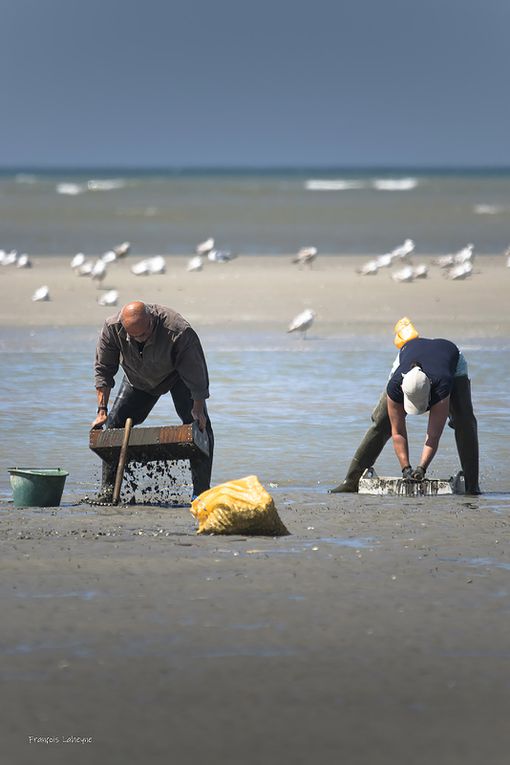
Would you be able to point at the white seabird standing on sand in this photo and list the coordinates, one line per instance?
(404, 250)
(444, 261)
(205, 247)
(85, 269)
(24, 261)
(109, 298)
(306, 256)
(302, 322)
(465, 255)
(41, 294)
(460, 271)
(155, 265)
(121, 250)
(421, 271)
(369, 269)
(195, 264)
(109, 256)
(384, 261)
(220, 256)
(8, 258)
(405, 274)
(98, 272)
(78, 260)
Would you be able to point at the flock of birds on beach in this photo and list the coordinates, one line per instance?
(456, 266)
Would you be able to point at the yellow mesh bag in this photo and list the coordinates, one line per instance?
(237, 507)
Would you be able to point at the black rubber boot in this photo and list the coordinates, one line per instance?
(370, 448)
(466, 432)
(201, 465)
(109, 472)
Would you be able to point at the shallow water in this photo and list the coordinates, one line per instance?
(290, 410)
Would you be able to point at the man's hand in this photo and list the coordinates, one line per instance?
(407, 473)
(419, 473)
(199, 415)
(100, 420)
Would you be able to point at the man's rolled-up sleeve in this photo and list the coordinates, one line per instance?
(190, 364)
(107, 359)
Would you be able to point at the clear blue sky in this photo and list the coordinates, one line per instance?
(271, 82)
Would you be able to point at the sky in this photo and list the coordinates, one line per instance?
(225, 83)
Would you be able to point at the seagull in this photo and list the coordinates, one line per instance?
(444, 261)
(141, 268)
(421, 271)
(85, 269)
(157, 265)
(121, 250)
(24, 261)
(403, 252)
(383, 261)
(204, 247)
(465, 255)
(98, 271)
(302, 322)
(41, 294)
(109, 257)
(306, 256)
(109, 298)
(405, 274)
(507, 256)
(195, 264)
(9, 258)
(220, 256)
(369, 269)
(78, 260)
(460, 271)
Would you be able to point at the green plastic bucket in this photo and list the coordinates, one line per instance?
(37, 487)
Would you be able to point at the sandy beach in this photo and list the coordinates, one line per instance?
(375, 634)
(270, 290)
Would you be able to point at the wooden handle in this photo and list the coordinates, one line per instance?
(122, 461)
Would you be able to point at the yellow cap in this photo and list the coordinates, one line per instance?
(404, 331)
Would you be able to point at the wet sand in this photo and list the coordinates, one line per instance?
(376, 633)
(270, 290)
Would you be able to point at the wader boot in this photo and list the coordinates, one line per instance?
(201, 465)
(109, 472)
(370, 448)
(463, 421)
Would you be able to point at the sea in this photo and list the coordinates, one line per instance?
(288, 409)
(253, 212)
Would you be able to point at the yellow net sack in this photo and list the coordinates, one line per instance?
(237, 507)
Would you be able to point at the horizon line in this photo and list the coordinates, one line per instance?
(240, 168)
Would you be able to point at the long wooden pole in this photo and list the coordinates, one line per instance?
(122, 461)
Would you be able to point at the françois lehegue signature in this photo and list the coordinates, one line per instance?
(60, 739)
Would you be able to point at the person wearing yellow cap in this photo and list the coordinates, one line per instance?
(429, 375)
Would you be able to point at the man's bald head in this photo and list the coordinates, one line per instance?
(136, 320)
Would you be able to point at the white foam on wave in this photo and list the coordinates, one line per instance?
(71, 189)
(107, 184)
(25, 178)
(340, 184)
(488, 209)
(394, 184)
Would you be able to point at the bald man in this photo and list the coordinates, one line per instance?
(159, 353)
